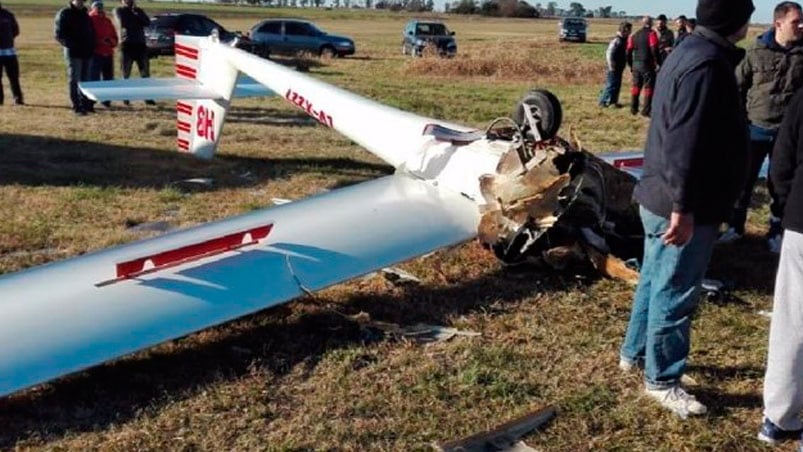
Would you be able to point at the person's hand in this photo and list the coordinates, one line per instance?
(681, 228)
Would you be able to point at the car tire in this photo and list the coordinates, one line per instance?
(545, 107)
(328, 52)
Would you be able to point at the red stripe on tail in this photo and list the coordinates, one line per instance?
(183, 126)
(186, 71)
(186, 51)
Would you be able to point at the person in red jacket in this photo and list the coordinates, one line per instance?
(101, 65)
(642, 57)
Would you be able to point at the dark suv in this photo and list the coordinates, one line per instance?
(572, 29)
(418, 34)
(160, 34)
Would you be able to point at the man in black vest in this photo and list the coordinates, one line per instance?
(75, 33)
(616, 59)
(642, 57)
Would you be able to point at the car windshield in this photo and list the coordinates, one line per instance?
(430, 29)
(574, 22)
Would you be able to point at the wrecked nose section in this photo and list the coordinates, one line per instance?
(561, 207)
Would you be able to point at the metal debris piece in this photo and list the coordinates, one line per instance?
(562, 207)
(504, 437)
(399, 277)
(280, 201)
(419, 332)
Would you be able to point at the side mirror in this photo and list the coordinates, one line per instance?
(410, 32)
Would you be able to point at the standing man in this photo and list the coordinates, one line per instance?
(101, 65)
(682, 23)
(768, 77)
(783, 392)
(694, 165)
(8, 55)
(132, 21)
(642, 57)
(666, 39)
(617, 60)
(74, 32)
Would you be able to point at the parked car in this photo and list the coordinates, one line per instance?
(291, 36)
(160, 34)
(572, 29)
(419, 34)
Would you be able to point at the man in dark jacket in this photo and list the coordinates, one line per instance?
(783, 394)
(616, 61)
(642, 57)
(74, 32)
(666, 39)
(768, 77)
(682, 22)
(694, 165)
(8, 55)
(132, 20)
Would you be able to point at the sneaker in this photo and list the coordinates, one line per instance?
(729, 235)
(615, 105)
(772, 434)
(678, 401)
(628, 366)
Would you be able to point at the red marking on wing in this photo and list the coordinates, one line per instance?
(170, 258)
(183, 126)
(186, 71)
(633, 162)
(186, 51)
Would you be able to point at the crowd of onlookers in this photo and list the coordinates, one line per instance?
(88, 38)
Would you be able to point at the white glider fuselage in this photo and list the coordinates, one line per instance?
(70, 315)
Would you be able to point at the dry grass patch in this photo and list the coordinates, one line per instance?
(536, 62)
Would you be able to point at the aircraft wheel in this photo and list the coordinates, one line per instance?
(545, 108)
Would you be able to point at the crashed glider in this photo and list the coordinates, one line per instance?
(512, 184)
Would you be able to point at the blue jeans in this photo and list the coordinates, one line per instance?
(665, 299)
(610, 92)
(77, 71)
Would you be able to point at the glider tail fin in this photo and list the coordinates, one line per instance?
(199, 121)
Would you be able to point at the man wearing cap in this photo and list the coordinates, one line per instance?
(74, 32)
(695, 160)
(8, 55)
(642, 57)
(101, 65)
(666, 39)
(768, 77)
(132, 21)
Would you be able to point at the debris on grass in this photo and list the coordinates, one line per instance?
(505, 437)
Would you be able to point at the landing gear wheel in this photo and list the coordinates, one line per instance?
(545, 109)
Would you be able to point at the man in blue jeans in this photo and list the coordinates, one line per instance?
(616, 58)
(695, 163)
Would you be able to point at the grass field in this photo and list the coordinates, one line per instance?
(305, 376)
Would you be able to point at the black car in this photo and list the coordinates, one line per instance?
(418, 34)
(160, 34)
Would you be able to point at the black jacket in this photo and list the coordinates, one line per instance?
(695, 160)
(786, 170)
(8, 29)
(616, 55)
(74, 31)
(132, 23)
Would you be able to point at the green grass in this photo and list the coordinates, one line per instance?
(303, 376)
